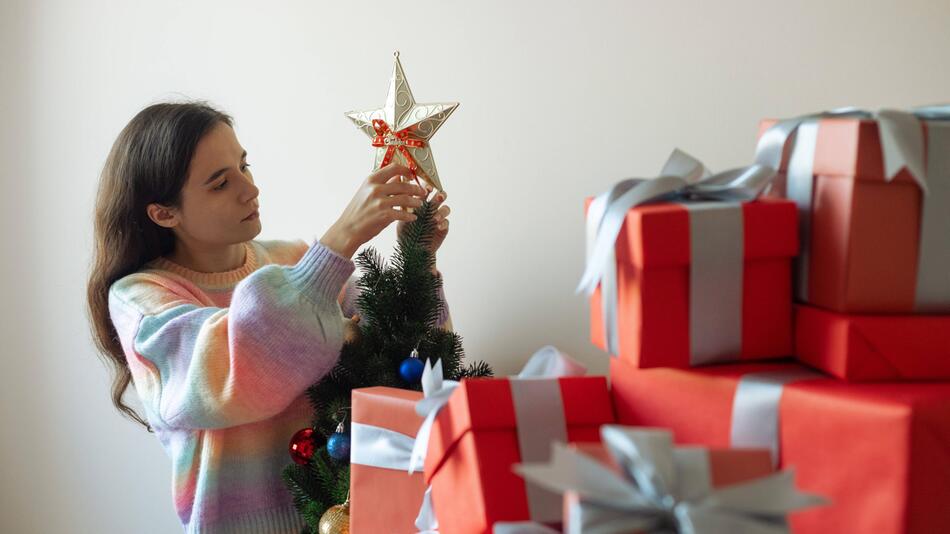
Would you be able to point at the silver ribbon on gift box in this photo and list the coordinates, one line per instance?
(714, 204)
(380, 447)
(662, 488)
(755, 409)
(902, 146)
(539, 414)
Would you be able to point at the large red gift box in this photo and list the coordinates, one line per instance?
(372, 506)
(862, 348)
(879, 452)
(653, 284)
(865, 230)
(475, 442)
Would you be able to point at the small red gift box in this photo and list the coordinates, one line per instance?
(488, 426)
(879, 452)
(865, 250)
(372, 506)
(863, 348)
(658, 278)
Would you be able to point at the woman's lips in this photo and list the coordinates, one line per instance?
(252, 216)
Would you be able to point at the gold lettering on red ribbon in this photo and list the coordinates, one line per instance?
(393, 141)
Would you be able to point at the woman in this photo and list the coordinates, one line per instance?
(219, 333)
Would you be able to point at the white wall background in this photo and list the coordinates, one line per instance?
(558, 100)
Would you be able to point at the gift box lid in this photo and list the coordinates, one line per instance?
(849, 147)
(487, 404)
(386, 407)
(657, 235)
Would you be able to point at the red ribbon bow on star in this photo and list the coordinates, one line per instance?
(385, 137)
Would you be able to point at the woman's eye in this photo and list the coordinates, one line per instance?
(245, 166)
(221, 186)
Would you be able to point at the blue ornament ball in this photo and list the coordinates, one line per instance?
(338, 446)
(411, 370)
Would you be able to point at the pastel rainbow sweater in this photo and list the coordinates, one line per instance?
(221, 363)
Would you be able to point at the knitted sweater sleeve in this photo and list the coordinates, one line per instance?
(198, 366)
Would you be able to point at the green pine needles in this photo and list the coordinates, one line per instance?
(398, 306)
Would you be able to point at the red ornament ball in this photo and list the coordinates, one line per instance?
(302, 446)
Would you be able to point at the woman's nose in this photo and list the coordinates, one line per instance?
(251, 192)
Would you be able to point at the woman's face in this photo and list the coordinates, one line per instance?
(218, 196)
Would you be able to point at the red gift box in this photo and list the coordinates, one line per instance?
(372, 506)
(475, 442)
(653, 253)
(865, 238)
(879, 452)
(863, 348)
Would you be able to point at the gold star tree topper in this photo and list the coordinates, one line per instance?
(401, 129)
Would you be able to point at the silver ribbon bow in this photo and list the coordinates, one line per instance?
(683, 179)
(902, 146)
(662, 489)
(549, 362)
(436, 393)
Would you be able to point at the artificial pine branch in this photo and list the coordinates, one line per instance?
(398, 306)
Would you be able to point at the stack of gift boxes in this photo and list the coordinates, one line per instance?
(480, 437)
(793, 327)
(477, 433)
(862, 410)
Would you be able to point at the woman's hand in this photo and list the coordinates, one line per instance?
(373, 208)
(351, 329)
(440, 219)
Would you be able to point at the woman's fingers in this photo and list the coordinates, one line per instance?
(401, 188)
(441, 218)
(441, 213)
(351, 329)
(400, 194)
(406, 201)
(383, 174)
(400, 215)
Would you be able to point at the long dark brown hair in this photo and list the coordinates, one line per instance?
(148, 163)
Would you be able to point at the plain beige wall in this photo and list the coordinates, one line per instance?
(558, 100)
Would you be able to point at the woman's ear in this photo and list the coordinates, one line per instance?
(162, 215)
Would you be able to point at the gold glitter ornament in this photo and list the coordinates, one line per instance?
(336, 520)
(401, 129)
